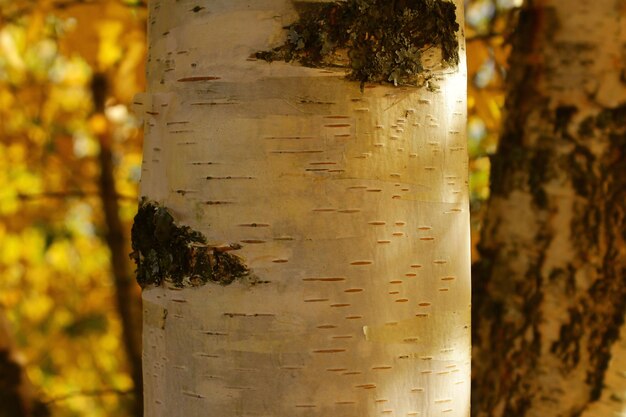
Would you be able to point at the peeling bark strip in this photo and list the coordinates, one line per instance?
(382, 40)
(164, 251)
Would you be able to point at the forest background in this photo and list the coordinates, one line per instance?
(70, 158)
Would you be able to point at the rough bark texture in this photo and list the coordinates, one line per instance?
(550, 291)
(348, 205)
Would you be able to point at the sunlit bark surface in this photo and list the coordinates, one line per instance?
(550, 291)
(351, 208)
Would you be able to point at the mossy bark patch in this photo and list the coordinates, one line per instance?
(165, 251)
(381, 40)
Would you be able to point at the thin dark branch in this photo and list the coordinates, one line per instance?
(69, 194)
(127, 303)
(69, 3)
(90, 393)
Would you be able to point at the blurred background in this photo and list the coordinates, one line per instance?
(70, 158)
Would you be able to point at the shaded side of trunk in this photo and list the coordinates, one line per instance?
(550, 291)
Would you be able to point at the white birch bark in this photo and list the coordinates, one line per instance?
(550, 303)
(352, 210)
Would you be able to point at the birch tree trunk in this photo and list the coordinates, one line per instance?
(551, 294)
(346, 205)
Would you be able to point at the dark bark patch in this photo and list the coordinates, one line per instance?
(585, 129)
(540, 172)
(509, 159)
(381, 40)
(611, 117)
(165, 251)
(567, 348)
(563, 116)
(599, 178)
(604, 336)
(580, 164)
